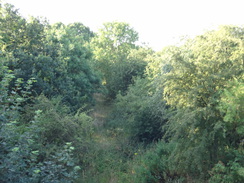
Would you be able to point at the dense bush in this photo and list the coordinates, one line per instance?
(41, 149)
(176, 115)
(204, 85)
(141, 113)
(117, 57)
(232, 172)
(57, 56)
(154, 166)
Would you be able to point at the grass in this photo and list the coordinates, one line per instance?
(108, 158)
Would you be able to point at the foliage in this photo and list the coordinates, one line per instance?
(23, 161)
(56, 56)
(59, 125)
(177, 114)
(153, 165)
(230, 169)
(194, 84)
(231, 108)
(141, 112)
(22, 156)
(232, 172)
(115, 56)
(77, 81)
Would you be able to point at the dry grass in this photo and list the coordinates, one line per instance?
(101, 110)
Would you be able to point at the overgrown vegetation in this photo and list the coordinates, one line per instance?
(171, 116)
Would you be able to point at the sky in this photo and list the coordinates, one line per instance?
(158, 22)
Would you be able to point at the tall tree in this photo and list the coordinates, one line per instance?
(78, 80)
(111, 47)
(57, 56)
(197, 74)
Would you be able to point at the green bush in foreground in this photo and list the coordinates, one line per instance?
(154, 165)
(24, 157)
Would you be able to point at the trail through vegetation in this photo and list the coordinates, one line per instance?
(101, 110)
(96, 107)
(108, 157)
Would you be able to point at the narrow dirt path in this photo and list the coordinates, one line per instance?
(100, 115)
(101, 110)
(103, 155)
(108, 155)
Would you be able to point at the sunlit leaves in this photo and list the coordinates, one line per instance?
(199, 70)
(58, 56)
(111, 47)
(203, 84)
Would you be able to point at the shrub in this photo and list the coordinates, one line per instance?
(232, 172)
(154, 165)
(141, 113)
(24, 157)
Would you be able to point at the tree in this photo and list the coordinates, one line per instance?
(57, 56)
(197, 75)
(141, 112)
(77, 80)
(112, 46)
